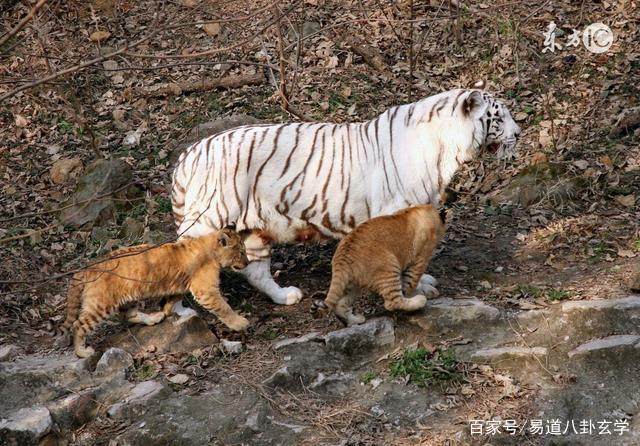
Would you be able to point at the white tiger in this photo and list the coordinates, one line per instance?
(302, 181)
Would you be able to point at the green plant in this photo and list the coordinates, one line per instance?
(555, 295)
(423, 367)
(636, 245)
(528, 291)
(65, 126)
(269, 334)
(144, 372)
(367, 377)
(164, 205)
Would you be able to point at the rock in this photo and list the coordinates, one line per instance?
(139, 397)
(231, 347)
(34, 380)
(634, 283)
(626, 122)
(537, 182)
(74, 410)
(9, 351)
(501, 353)
(132, 138)
(112, 361)
(104, 179)
(210, 128)
(313, 336)
(608, 343)
(65, 169)
(334, 383)
(180, 378)
(457, 311)
(166, 337)
(26, 426)
(359, 339)
(631, 302)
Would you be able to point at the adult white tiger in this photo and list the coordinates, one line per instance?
(301, 181)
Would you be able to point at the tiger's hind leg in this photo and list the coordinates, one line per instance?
(92, 313)
(389, 286)
(340, 298)
(258, 272)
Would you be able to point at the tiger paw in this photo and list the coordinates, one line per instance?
(84, 352)
(355, 319)
(288, 296)
(237, 323)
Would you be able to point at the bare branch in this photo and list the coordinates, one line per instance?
(8, 35)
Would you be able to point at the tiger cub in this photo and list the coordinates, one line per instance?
(144, 271)
(387, 255)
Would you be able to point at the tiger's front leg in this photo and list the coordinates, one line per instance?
(258, 272)
(206, 291)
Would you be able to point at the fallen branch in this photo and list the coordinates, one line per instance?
(176, 89)
(75, 68)
(369, 54)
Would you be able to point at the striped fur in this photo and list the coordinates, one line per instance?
(300, 181)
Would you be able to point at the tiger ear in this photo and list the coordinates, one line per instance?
(223, 238)
(473, 105)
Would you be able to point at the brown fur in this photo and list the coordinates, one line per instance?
(388, 255)
(139, 272)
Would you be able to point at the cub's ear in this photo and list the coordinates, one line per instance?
(443, 215)
(480, 85)
(473, 105)
(223, 238)
(231, 226)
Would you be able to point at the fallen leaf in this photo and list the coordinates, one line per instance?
(626, 200)
(604, 159)
(626, 253)
(581, 164)
(99, 36)
(212, 29)
(538, 158)
(21, 121)
(180, 378)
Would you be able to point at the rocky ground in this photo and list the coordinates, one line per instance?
(537, 320)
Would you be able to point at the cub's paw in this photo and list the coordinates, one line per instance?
(84, 352)
(288, 296)
(355, 319)
(237, 323)
(416, 302)
(427, 291)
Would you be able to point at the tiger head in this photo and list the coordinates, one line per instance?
(231, 252)
(501, 131)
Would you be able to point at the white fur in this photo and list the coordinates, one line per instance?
(409, 160)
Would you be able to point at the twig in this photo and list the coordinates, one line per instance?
(76, 67)
(8, 35)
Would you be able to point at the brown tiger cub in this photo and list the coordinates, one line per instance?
(140, 272)
(387, 255)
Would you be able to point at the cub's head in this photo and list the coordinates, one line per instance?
(499, 131)
(231, 251)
